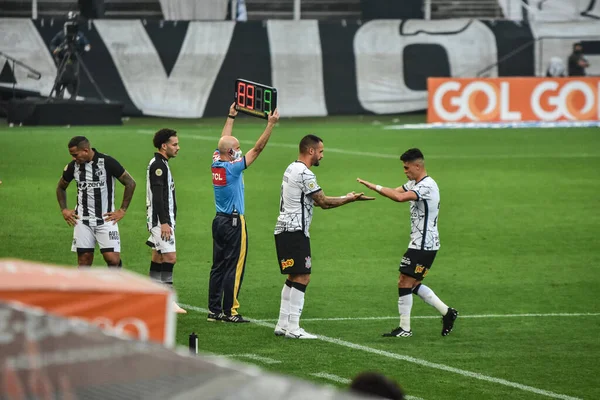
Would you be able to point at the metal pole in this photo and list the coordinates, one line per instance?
(34, 9)
(427, 10)
(296, 10)
(233, 10)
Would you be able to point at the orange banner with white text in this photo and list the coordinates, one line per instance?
(117, 300)
(513, 99)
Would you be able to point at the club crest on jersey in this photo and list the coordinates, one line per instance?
(287, 263)
(307, 262)
(158, 172)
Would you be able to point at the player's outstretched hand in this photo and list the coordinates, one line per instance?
(366, 183)
(115, 216)
(273, 117)
(362, 197)
(70, 217)
(359, 196)
(232, 110)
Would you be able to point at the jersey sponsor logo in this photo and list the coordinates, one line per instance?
(419, 268)
(113, 235)
(307, 262)
(287, 263)
(405, 261)
(219, 176)
(91, 185)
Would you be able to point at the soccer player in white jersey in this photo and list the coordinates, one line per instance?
(424, 196)
(94, 219)
(299, 192)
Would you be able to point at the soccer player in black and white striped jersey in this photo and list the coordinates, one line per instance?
(161, 209)
(95, 218)
(424, 196)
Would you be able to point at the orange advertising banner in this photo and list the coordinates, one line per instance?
(513, 99)
(117, 300)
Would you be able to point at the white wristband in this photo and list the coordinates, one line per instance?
(378, 188)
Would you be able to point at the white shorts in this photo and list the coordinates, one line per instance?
(160, 245)
(86, 237)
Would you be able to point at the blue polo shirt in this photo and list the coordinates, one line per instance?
(228, 183)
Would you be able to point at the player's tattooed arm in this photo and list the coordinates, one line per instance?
(129, 184)
(326, 202)
(61, 195)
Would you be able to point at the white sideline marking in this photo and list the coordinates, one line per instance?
(331, 377)
(417, 361)
(439, 316)
(215, 139)
(255, 357)
(339, 379)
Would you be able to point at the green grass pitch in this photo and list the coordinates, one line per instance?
(519, 225)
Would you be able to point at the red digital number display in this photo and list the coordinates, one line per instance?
(245, 95)
(254, 98)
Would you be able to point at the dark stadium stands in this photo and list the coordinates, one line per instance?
(150, 9)
(310, 9)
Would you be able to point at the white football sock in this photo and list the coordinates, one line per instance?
(284, 308)
(430, 298)
(404, 306)
(296, 304)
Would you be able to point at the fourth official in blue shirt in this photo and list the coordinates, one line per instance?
(230, 237)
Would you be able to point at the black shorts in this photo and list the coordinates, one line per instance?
(293, 253)
(416, 263)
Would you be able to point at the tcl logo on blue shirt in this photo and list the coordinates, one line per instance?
(219, 176)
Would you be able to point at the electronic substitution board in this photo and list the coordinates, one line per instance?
(254, 98)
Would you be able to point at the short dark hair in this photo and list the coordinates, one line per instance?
(411, 155)
(81, 142)
(376, 384)
(162, 136)
(309, 141)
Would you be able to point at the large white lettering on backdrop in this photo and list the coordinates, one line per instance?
(379, 45)
(20, 39)
(297, 67)
(185, 92)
